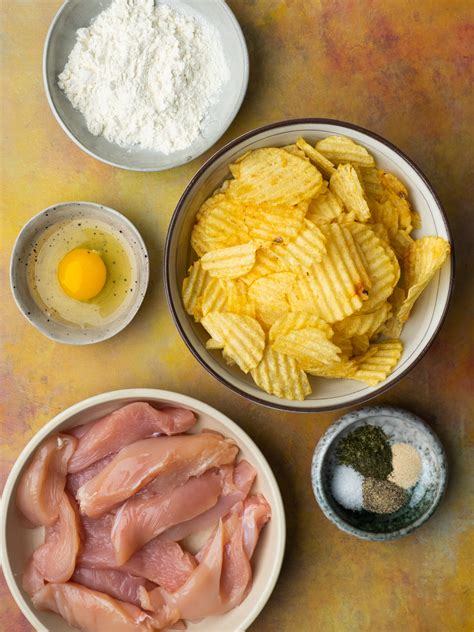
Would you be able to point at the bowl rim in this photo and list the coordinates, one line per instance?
(331, 435)
(136, 306)
(167, 264)
(172, 165)
(278, 510)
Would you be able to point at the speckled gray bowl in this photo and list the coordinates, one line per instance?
(424, 497)
(61, 331)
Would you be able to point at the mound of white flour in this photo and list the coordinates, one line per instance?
(145, 74)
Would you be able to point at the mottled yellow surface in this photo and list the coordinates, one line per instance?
(398, 67)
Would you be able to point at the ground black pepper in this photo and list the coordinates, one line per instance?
(367, 450)
(382, 496)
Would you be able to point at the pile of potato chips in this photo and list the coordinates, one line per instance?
(307, 266)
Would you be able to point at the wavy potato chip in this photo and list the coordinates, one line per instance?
(393, 327)
(360, 344)
(343, 370)
(270, 294)
(386, 214)
(274, 176)
(296, 151)
(345, 183)
(275, 224)
(309, 346)
(321, 162)
(279, 375)
(297, 320)
(220, 224)
(238, 300)
(230, 263)
(371, 180)
(214, 298)
(374, 367)
(194, 286)
(423, 259)
(364, 324)
(381, 265)
(241, 337)
(341, 149)
(325, 208)
(266, 262)
(306, 248)
(401, 242)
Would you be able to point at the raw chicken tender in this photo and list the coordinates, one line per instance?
(112, 582)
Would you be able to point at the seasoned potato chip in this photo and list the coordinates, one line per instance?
(340, 149)
(309, 346)
(373, 368)
(325, 208)
(380, 265)
(230, 263)
(345, 183)
(270, 294)
(274, 176)
(423, 259)
(242, 337)
(321, 162)
(385, 213)
(266, 262)
(380, 231)
(220, 224)
(297, 320)
(306, 248)
(194, 286)
(337, 286)
(275, 224)
(279, 375)
(360, 324)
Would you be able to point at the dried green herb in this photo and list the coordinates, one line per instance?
(367, 450)
(382, 496)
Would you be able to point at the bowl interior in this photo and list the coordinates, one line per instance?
(63, 332)
(19, 542)
(75, 14)
(426, 315)
(423, 498)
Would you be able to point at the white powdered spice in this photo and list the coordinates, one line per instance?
(406, 464)
(145, 74)
(346, 487)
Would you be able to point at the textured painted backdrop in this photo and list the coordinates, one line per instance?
(400, 68)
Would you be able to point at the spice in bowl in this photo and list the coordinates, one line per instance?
(373, 475)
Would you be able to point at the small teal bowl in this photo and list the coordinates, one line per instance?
(401, 426)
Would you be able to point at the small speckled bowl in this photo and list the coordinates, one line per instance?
(61, 331)
(401, 426)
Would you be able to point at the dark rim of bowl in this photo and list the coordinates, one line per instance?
(66, 129)
(169, 237)
(321, 496)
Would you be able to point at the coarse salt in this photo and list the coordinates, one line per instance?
(346, 487)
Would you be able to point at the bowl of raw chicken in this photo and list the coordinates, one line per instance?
(145, 510)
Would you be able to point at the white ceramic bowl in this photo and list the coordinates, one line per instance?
(32, 231)
(17, 543)
(427, 315)
(60, 40)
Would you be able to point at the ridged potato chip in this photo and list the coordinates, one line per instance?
(342, 370)
(309, 346)
(381, 232)
(230, 263)
(325, 208)
(345, 183)
(220, 224)
(242, 337)
(423, 259)
(393, 327)
(371, 180)
(297, 320)
(296, 151)
(274, 176)
(344, 344)
(306, 248)
(238, 300)
(214, 298)
(266, 262)
(340, 149)
(385, 213)
(274, 224)
(401, 242)
(270, 294)
(374, 367)
(194, 286)
(382, 266)
(321, 162)
(279, 375)
(360, 324)
(338, 285)
(360, 344)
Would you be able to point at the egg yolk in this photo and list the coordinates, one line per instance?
(82, 274)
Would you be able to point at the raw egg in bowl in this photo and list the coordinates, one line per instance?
(79, 272)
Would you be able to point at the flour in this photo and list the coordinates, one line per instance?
(145, 74)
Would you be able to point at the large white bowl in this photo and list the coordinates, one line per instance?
(17, 542)
(427, 315)
(60, 40)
